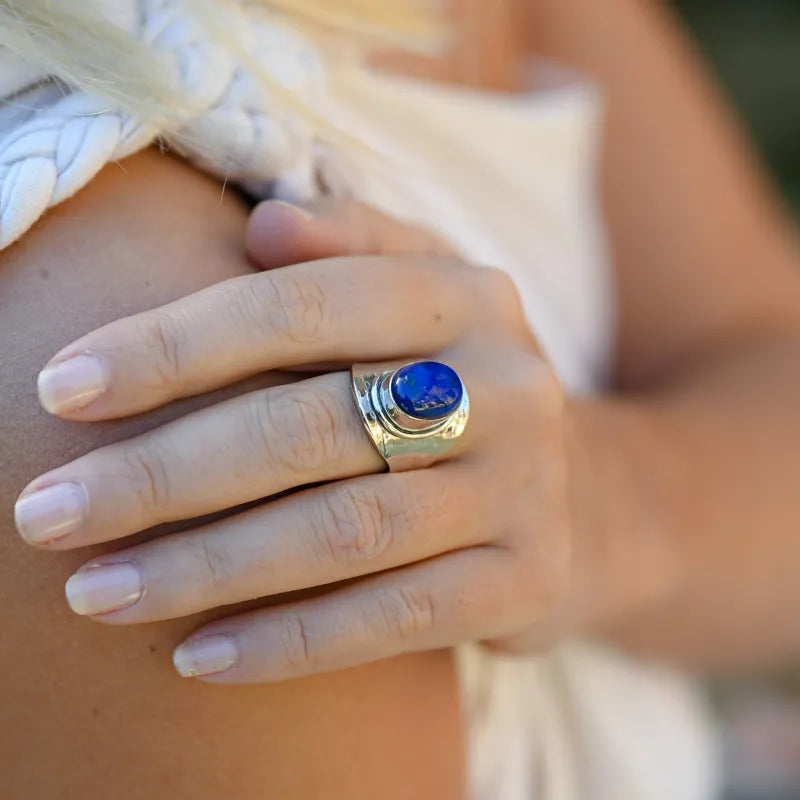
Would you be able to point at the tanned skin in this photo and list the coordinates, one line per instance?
(686, 479)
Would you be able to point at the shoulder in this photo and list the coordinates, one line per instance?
(78, 694)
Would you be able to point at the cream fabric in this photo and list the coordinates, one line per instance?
(54, 138)
(509, 181)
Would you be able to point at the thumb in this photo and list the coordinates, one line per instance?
(279, 234)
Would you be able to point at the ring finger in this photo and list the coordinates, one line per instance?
(246, 449)
(242, 450)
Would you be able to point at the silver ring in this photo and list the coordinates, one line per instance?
(414, 412)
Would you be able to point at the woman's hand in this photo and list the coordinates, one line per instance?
(476, 547)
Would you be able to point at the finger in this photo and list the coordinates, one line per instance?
(457, 597)
(245, 449)
(335, 311)
(323, 535)
(279, 234)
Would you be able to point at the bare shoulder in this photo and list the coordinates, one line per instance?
(96, 711)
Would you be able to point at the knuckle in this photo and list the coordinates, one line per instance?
(289, 305)
(163, 339)
(295, 431)
(149, 477)
(214, 561)
(356, 526)
(295, 644)
(408, 613)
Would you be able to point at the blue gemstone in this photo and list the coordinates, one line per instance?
(427, 390)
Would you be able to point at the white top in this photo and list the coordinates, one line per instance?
(510, 182)
(506, 179)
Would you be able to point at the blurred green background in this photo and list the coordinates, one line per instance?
(755, 47)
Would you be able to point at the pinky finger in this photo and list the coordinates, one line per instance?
(427, 606)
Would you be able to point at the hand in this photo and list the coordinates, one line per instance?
(476, 547)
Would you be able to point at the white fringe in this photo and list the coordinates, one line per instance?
(55, 138)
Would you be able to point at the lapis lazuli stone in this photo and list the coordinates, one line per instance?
(427, 390)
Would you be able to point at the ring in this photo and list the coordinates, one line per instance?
(414, 413)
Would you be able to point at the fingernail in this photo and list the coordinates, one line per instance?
(299, 211)
(207, 655)
(104, 588)
(51, 513)
(71, 384)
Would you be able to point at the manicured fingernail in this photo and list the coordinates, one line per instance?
(297, 210)
(71, 384)
(51, 513)
(206, 655)
(104, 588)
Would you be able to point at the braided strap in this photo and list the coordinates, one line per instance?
(53, 141)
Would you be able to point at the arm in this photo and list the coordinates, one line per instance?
(98, 713)
(686, 481)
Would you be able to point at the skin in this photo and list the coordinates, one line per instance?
(455, 542)
(686, 479)
(108, 715)
(698, 391)
(633, 552)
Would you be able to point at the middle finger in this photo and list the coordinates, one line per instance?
(245, 449)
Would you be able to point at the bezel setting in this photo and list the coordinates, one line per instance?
(404, 441)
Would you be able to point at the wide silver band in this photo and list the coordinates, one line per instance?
(405, 442)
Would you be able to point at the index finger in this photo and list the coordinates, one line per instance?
(334, 311)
